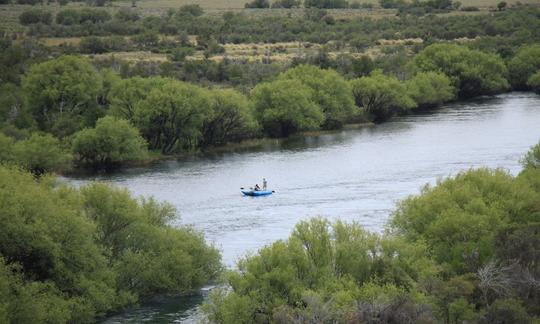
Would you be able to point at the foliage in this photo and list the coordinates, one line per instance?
(534, 82)
(523, 65)
(69, 256)
(326, 4)
(258, 4)
(329, 90)
(13, 110)
(531, 160)
(460, 217)
(471, 71)
(75, 17)
(172, 114)
(34, 16)
(285, 107)
(230, 119)
(380, 95)
(109, 144)
(322, 271)
(286, 4)
(430, 89)
(149, 256)
(62, 94)
(37, 154)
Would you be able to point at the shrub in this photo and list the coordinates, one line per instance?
(40, 154)
(111, 143)
(34, 16)
(285, 107)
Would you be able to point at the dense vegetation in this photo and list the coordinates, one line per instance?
(465, 250)
(71, 255)
(354, 70)
(68, 105)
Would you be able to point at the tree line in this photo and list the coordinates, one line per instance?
(464, 250)
(67, 110)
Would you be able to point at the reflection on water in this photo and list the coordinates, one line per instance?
(161, 310)
(354, 175)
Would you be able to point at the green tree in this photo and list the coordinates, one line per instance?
(230, 119)
(501, 5)
(285, 107)
(329, 90)
(51, 243)
(109, 144)
(73, 255)
(34, 16)
(323, 269)
(13, 110)
(534, 82)
(531, 160)
(171, 116)
(523, 65)
(40, 154)
(62, 94)
(126, 93)
(6, 143)
(381, 96)
(430, 89)
(150, 256)
(472, 72)
(459, 218)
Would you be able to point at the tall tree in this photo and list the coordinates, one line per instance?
(473, 72)
(329, 90)
(172, 115)
(284, 107)
(63, 94)
(381, 96)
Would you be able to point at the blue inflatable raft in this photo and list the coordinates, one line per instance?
(254, 193)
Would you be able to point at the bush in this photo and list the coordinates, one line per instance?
(285, 107)
(534, 82)
(472, 72)
(523, 65)
(92, 45)
(34, 16)
(193, 10)
(469, 8)
(230, 119)
(430, 89)
(111, 143)
(326, 4)
(330, 91)
(286, 4)
(531, 160)
(127, 15)
(72, 255)
(337, 271)
(38, 154)
(381, 96)
(62, 94)
(257, 4)
(68, 17)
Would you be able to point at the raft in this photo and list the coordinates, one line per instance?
(254, 193)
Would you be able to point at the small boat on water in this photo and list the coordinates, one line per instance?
(255, 193)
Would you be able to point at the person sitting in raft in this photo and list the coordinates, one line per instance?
(264, 184)
(257, 188)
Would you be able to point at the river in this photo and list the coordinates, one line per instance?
(353, 175)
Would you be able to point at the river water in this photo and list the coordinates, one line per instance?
(350, 175)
